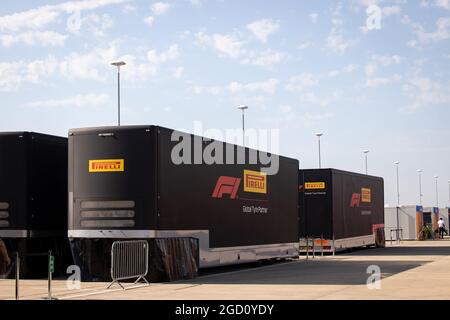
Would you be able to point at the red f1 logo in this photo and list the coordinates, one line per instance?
(356, 200)
(226, 185)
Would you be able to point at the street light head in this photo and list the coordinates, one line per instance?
(397, 162)
(436, 177)
(243, 107)
(366, 151)
(319, 134)
(118, 63)
(419, 170)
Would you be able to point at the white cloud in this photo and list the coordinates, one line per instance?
(226, 44)
(267, 58)
(425, 92)
(178, 72)
(304, 45)
(96, 24)
(128, 8)
(230, 45)
(314, 17)
(382, 81)
(149, 20)
(81, 100)
(316, 117)
(88, 65)
(335, 40)
(390, 10)
(160, 8)
(387, 60)
(347, 69)
(43, 38)
(14, 74)
(42, 16)
(302, 81)
(268, 86)
(441, 33)
(10, 77)
(261, 29)
(137, 71)
(445, 4)
(371, 69)
(310, 98)
(165, 56)
(384, 61)
(91, 65)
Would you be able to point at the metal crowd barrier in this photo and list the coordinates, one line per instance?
(129, 260)
(399, 235)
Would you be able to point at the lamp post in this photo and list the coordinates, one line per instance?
(398, 198)
(118, 64)
(365, 153)
(243, 108)
(419, 171)
(398, 184)
(437, 193)
(448, 193)
(319, 134)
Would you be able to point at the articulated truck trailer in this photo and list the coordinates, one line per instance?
(33, 201)
(339, 210)
(150, 182)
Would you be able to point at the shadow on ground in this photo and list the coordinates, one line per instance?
(312, 272)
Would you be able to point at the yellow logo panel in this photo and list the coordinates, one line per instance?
(314, 185)
(107, 165)
(255, 181)
(366, 195)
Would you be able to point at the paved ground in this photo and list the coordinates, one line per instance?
(411, 270)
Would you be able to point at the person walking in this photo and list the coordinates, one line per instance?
(441, 225)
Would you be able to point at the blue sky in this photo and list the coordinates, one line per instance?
(301, 66)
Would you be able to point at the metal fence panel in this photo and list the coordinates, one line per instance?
(129, 260)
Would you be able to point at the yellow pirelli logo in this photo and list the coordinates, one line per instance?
(107, 165)
(366, 195)
(314, 185)
(255, 181)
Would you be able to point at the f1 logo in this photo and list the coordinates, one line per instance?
(356, 200)
(226, 185)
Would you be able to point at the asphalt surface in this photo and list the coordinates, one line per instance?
(410, 270)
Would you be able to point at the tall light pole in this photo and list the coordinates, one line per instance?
(118, 64)
(437, 193)
(243, 108)
(398, 199)
(365, 153)
(420, 186)
(398, 184)
(319, 134)
(448, 193)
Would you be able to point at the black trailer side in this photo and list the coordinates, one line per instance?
(129, 174)
(33, 198)
(340, 209)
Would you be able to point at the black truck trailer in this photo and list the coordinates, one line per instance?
(150, 182)
(33, 201)
(339, 210)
